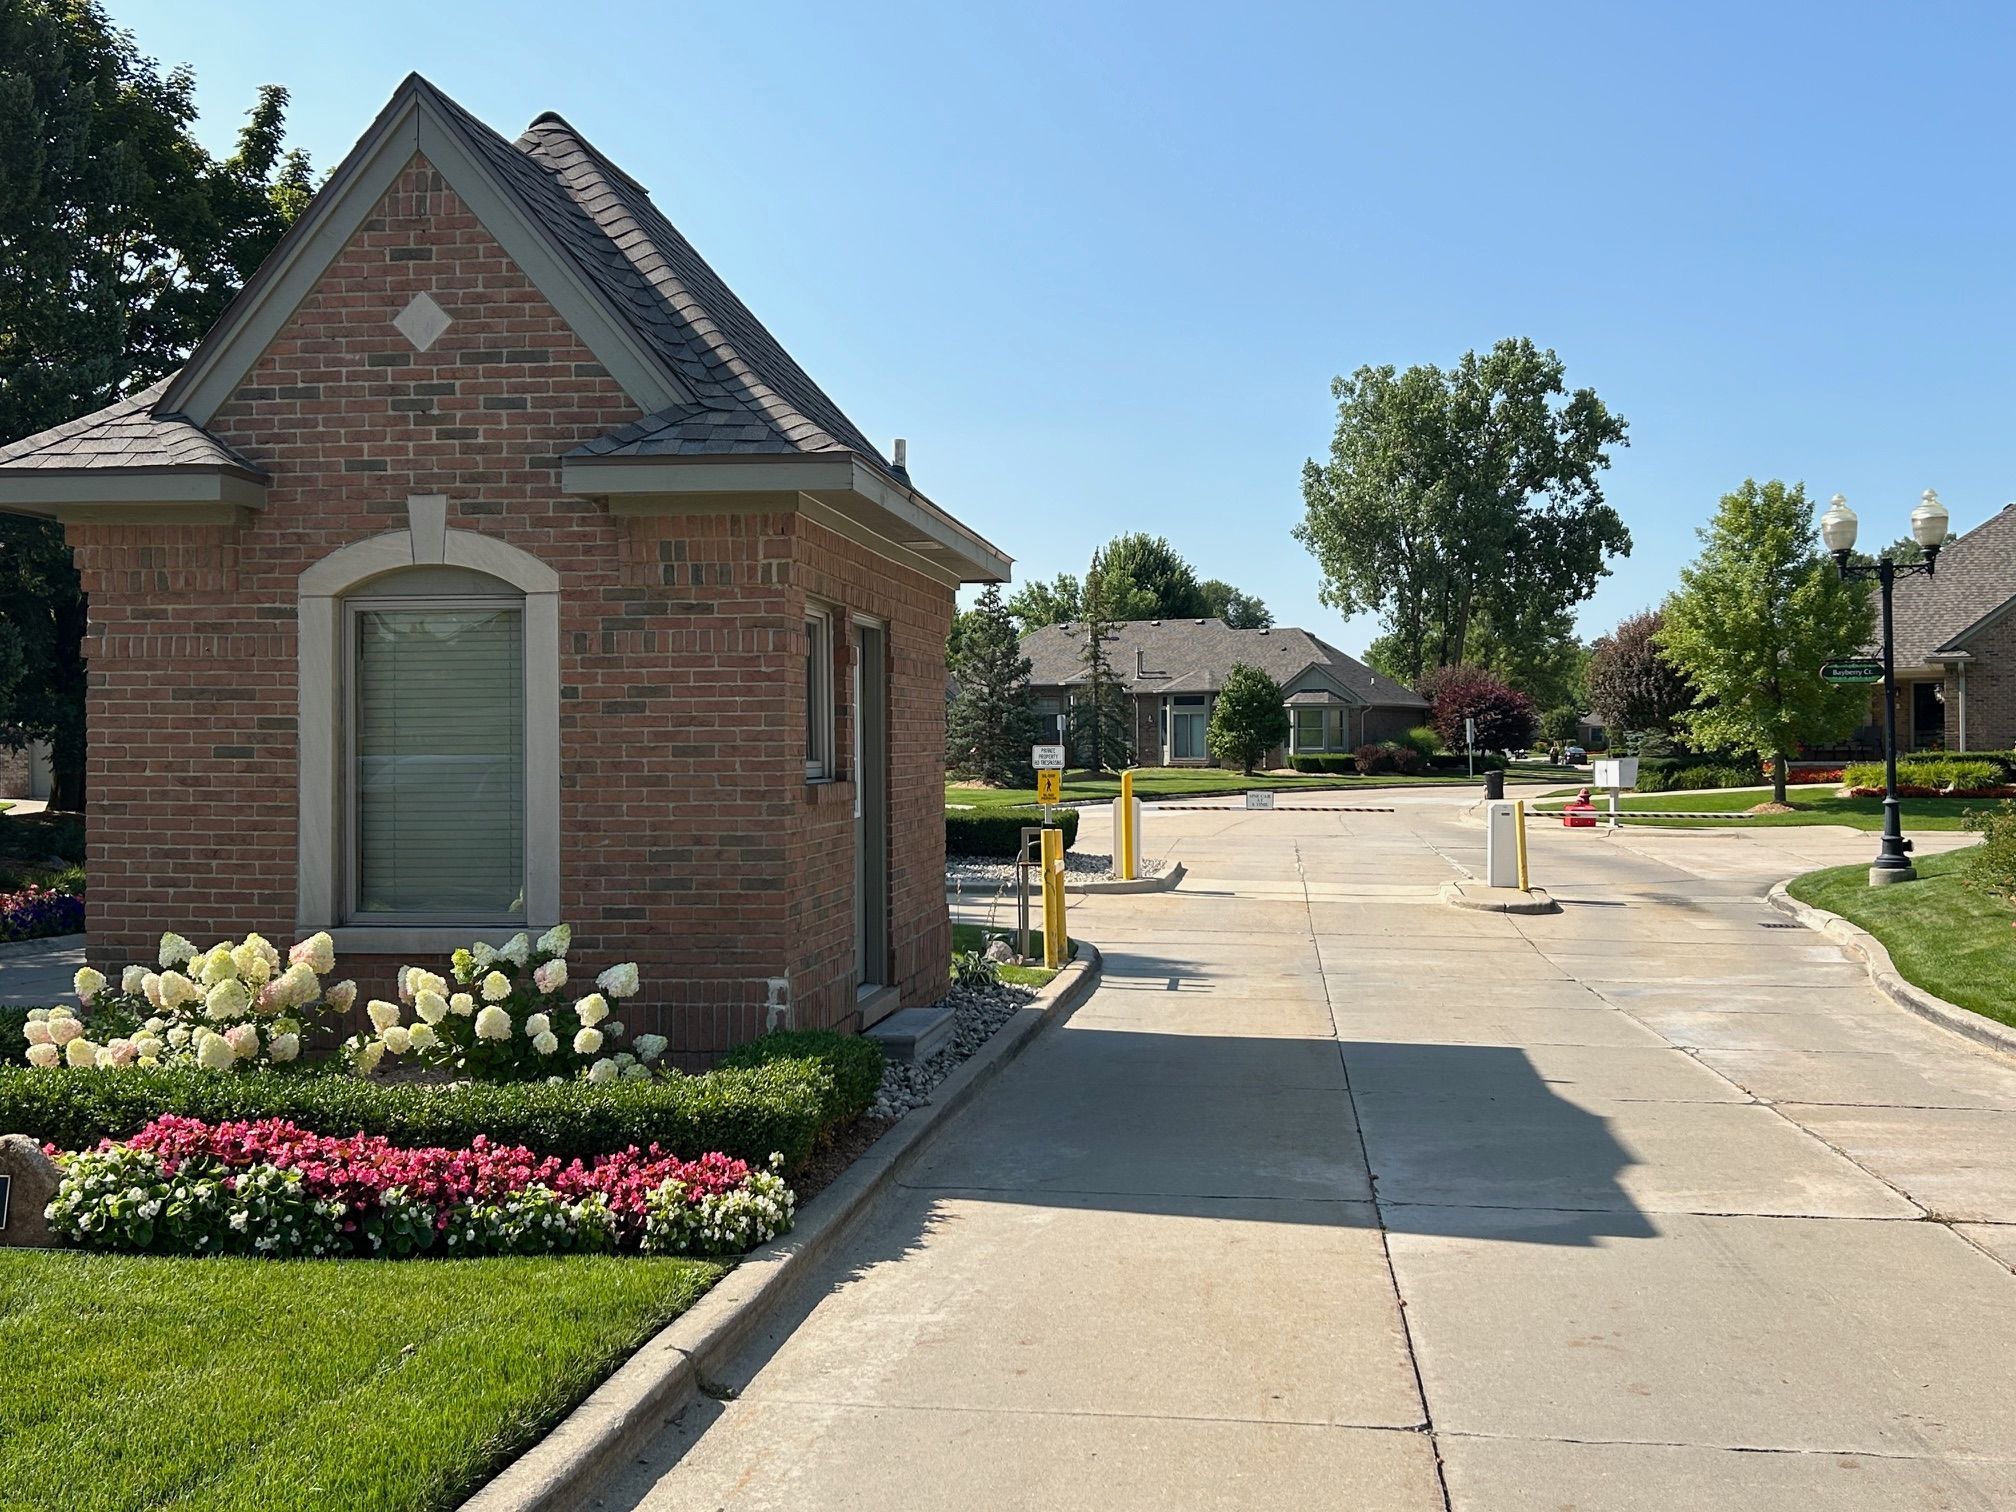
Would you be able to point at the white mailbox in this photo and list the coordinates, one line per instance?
(1617, 772)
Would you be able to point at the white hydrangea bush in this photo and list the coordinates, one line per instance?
(508, 1013)
(231, 1006)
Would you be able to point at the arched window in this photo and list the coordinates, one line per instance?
(429, 739)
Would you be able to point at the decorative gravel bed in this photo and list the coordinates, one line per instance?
(978, 1012)
(1085, 865)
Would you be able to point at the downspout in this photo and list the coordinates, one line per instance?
(1963, 706)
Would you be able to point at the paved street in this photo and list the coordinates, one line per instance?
(1335, 1196)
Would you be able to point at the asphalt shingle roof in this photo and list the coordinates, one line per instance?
(1193, 656)
(1977, 575)
(127, 435)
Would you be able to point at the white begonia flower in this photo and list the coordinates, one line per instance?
(81, 1052)
(284, 1047)
(178, 1036)
(148, 1046)
(88, 984)
(383, 1014)
(174, 951)
(150, 988)
(341, 996)
(298, 986)
(218, 966)
(463, 1004)
(619, 981)
(368, 1057)
(556, 940)
(267, 952)
(37, 1032)
(65, 1031)
(44, 1056)
(132, 981)
(422, 1036)
(537, 1025)
(592, 1009)
(545, 1041)
(250, 962)
(518, 949)
(650, 1046)
(419, 981)
(493, 1023)
(603, 1071)
(587, 1040)
(431, 1006)
(397, 1039)
(243, 1040)
(496, 987)
(177, 989)
(317, 953)
(38, 1015)
(551, 975)
(482, 954)
(229, 999)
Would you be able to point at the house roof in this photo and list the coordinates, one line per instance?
(1975, 585)
(713, 382)
(1193, 656)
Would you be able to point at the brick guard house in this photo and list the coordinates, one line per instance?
(489, 565)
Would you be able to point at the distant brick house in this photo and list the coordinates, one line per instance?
(489, 565)
(1955, 646)
(1173, 669)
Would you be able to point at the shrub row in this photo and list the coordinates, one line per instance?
(1388, 756)
(998, 832)
(1668, 775)
(746, 1111)
(1968, 774)
(1334, 763)
(853, 1063)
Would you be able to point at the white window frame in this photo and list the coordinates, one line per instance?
(819, 693)
(350, 866)
(320, 592)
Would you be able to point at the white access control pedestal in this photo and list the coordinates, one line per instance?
(1501, 845)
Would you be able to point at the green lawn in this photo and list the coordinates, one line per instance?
(376, 1386)
(1946, 937)
(1820, 804)
(974, 937)
(1207, 782)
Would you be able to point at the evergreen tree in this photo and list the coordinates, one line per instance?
(1102, 717)
(992, 723)
(1249, 719)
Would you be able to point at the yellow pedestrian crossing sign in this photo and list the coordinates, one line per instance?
(1049, 787)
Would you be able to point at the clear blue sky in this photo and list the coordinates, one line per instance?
(1100, 262)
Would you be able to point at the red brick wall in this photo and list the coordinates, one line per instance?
(691, 842)
(1991, 691)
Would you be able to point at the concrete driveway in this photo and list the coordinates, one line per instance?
(1334, 1196)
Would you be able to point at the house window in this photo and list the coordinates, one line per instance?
(1340, 729)
(818, 694)
(436, 736)
(1309, 729)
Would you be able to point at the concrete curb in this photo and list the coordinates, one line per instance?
(47, 942)
(1866, 948)
(565, 1467)
(1163, 883)
(1534, 900)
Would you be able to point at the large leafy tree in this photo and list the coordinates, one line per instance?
(1755, 616)
(121, 241)
(992, 722)
(1455, 499)
(1146, 579)
(1242, 611)
(1037, 604)
(1248, 720)
(1632, 684)
(1102, 716)
(1505, 717)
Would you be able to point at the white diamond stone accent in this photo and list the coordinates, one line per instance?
(422, 321)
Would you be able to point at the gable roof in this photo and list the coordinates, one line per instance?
(712, 382)
(1974, 586)
(1193, 656)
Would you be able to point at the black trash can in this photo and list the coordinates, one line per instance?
(1494, 784)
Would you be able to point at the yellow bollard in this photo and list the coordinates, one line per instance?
(1129, 847)
(1053, 898)
(1519, 822)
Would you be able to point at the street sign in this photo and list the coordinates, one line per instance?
(1049, 786)
(1469, 730)
(1859, 669)
(1047, 758)
(1259, 798)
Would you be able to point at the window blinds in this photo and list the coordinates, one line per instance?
(439, 743)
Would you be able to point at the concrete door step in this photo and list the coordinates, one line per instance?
(914, 1034)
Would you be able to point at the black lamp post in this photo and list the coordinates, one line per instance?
(1928, 529)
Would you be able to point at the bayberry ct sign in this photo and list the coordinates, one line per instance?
(1856, 669)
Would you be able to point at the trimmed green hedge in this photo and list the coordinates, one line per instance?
(998, 832)
(782, 1105)
(854, 1062)
(1336, 763)
(13, 1043)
